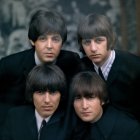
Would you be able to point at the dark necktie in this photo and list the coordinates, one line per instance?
(101, 74)
(42, 130)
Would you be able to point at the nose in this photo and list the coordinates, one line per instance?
(46, 97)
(93, 45)
(49, 44)
(84, 103)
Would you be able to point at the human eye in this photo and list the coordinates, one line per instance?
(86, 42)
(56, 39)
(42, 38)
(39, 92)
(99, 39)
(77, 97)
(53, 92)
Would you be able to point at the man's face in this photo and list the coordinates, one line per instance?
(88, 109)
(48, 47)
(46, 103)
(96, 49)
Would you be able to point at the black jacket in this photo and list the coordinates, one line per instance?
(21, 125)
(123, 82)
(14, 70)
(113, 125)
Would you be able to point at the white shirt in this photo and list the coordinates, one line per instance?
(39, 119)
(107, 65)
(37, 61)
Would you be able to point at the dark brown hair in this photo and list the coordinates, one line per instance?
(46, 22)
(45, 77)
(94, 25)
(88, 83)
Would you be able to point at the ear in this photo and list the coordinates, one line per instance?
(32, 43)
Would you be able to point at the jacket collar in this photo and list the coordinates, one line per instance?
(107, 122)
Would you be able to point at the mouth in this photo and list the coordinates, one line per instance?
(47, 108)
(49, 54)
(95, 55)
(85, 113)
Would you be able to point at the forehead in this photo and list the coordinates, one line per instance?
(51, 35)
(95, 37)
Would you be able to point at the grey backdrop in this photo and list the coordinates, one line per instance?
(15, 15)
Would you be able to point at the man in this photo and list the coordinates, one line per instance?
(121, 70)
(47, 34)
(102, 121)
(46, 89)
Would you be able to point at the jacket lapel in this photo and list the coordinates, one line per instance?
(57, 116)
(107, 123)
(114, 69)
(29, 62)
(32, 125)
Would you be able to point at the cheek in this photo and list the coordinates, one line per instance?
(57, 48)
(104, 48)
(39, 46)
(76, 106)
(97, 108)
(36, 100)
(38, 49)
(85, 49)
(56, 100)
(97, 104)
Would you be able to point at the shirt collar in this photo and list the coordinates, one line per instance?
(37, 61)
(107, 65)
(39, 119)
(109, 60)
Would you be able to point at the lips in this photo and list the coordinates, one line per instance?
(47, 108)
(95, 56)
(85, 113)
(49, 54)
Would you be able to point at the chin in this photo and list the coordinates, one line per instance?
(86, 119)
(49, 60)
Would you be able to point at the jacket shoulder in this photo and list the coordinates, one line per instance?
(17, 55)
(21, 111)
(24, 58)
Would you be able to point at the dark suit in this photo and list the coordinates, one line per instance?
(14, 70)
(123, 81)
(21, 125)
(113, 125)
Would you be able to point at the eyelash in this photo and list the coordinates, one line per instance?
(88, 41)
